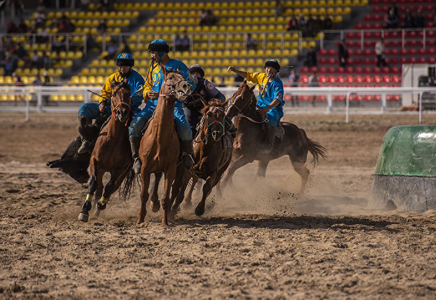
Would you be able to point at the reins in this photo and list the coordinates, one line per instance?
(240, 113)
(120, 104)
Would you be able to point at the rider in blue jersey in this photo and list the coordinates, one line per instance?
(155, 78)
(90, 111)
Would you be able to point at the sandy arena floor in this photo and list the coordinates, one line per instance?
(257, 241)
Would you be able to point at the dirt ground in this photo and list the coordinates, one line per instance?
(259, 240)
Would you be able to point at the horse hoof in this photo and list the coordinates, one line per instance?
(100, 206)
(97, 213)
(155, 206)
(199, 211)
(83, 217)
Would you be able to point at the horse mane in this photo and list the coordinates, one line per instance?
(123, 84)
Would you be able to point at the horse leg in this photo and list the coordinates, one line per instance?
(188, 198)
(178, 188)
(178, 197)
(261, 168)
(302, 170)
(113, 185)
(144, 196)
(234, 165)
(154, 196)
(165, 202)
(211, 181)
(94, 184)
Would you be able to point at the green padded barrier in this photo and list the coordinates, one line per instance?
(408, 151)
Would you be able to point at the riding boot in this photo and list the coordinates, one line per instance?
(134, 146)
(187, 152)
(270, 138)
(86, 144)
(230, 127)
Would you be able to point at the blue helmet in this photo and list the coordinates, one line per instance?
(159, 46)
(125, 59)
(273, 63)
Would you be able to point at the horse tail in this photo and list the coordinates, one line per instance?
(128, 185)
(316, 149)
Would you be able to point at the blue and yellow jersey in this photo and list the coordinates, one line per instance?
(155, 77)
(136, 82)
(268, 92)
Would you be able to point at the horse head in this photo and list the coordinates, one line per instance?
(241, 100)
(175, 85)
(121, 101)
(213, 122)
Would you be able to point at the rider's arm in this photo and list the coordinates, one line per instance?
(106, 91)
(239, 72)
(213, 92)
(148, 85)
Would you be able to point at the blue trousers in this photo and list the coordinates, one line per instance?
(273, 116)
(90, 110)
(182, 127)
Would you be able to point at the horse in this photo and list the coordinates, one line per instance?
(159, 149)
(111, 152)
(250, 137)
(212, 153)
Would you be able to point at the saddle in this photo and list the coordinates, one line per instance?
(280, 131)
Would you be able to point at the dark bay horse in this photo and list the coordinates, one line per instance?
(250, 138)
(111, 152)
(212, 154)
(159, 150)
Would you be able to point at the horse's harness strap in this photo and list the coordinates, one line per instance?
(120, 104)
(241, 115)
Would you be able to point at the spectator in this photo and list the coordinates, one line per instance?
(9, 67)
(84, 4)
(302, 23)
(211, 19)
(46, 78)
(58, 44)
(293, 82)
(313, 82)
(22, 27)
(380, 53)
(37, 80)
(39, 19)
(112, 51)
(419, 20)
(279, 9)
(19, 8)
(41, 7)
(311, 60)
(250, 43)
(203, 18)
(106, 5)
(42, 36)
(46, 61)
(102, 27)
(178, 43)
(35, 60)
(394, 9)
(342, 53)
(292, 24)
(126, 48)
(12, 27)
(310, 26)
(186, 42)
(18, 82)
(91, 44)
(2, 58)
(21, 51)
(327, 23)
(409, 20)
(391, 20)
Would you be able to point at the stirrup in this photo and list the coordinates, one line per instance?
(137, 165)
(85, 147)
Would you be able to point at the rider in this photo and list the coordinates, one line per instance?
(270, 98)
(90, 111)
(155, 78)
(203, 93)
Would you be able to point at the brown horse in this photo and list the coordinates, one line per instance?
(212, 154)
(250, 137)
(159, 150)
(111, 152)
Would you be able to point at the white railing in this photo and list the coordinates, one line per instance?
(383, 32)
(36, 94)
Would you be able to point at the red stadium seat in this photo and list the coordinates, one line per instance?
(332, 52)
(422, 60)
(340, 79)
(367, 97)
(331, 79)
(413, 60)
(386, 78)
(376, 70)
(403, 51)
(322, 52)
(394, 51)
(304, 79)
(431, 60)
(313, 69)
(367, 52)
(322, 79)
(385, 70)
(348, 69)
(358, 70)
(404, 60)
(331, 61)
(367, 78)
(431, 51)
(322, 69)
(395, 70)
(340, 70)
(304, 70)
(412, 51)
(395, 78)
(349, 78)
(322, 60)
(367, 69)
(331, 69)
(376, 78)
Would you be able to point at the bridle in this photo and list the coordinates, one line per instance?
(173, 90)
(232, 103)
(120, 104)
(215, 122)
